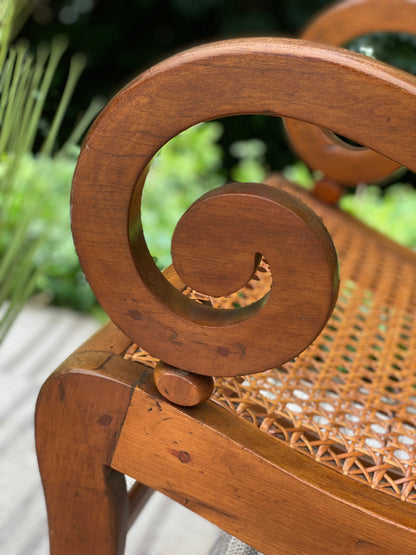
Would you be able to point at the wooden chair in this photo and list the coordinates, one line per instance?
(319, 452)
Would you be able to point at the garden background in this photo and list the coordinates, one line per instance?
(102, 46)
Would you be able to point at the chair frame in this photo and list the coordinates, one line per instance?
(109, 421)
(100, 416)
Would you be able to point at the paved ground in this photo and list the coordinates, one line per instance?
(40, 339)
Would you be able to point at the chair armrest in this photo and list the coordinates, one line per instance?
(326, 86)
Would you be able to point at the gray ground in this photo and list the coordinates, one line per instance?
(39, 340)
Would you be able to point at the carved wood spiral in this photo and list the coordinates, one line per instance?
(321, 149)
(218, 241)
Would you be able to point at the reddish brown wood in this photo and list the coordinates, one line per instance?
(219, 466)
(255, 486)
(328, 190)
(181, 387)
(79, 415)
(323, 151)
(100, 415)
(349, 19)
(339, 24)
(235, 77)
(223, 257)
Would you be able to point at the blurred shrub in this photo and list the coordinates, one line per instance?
(187, 167)
(31, 179)
(43, 194)
(392, 212)
(119, 43)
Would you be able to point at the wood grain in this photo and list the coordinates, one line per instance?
(339, 24)
(215, 250)
(255, 486)
(181, 387)
(327, 87)
(79, 414)
(349, 19)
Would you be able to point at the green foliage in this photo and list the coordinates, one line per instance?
(183, 170)
(187, 167)
(43, 194)
(28, 191)
(392, 212)
(36, 251)
(397, 49)
(250, 155)
(299, 174)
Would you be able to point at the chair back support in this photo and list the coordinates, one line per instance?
(320, 148)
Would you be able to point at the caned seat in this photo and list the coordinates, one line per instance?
(316, 453)
(349, 400)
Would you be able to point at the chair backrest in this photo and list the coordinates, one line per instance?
(320, 148)
(362, 99)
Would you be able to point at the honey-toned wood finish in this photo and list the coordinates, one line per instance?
(79, 415)
(100, 416)
(344, 21)
(215, 250)
(234, 77)
(323, 151)
(181, 387)
(328, 190)
(254, 486)
(339, 24)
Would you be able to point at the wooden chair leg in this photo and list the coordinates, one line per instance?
(79, 415)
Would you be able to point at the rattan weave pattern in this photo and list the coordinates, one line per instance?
(349, 400)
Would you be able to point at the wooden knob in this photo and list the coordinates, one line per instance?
(328, 190)
(319, 148)
(181, 387)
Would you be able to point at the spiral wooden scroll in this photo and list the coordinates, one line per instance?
(319, 148)
(218, 241)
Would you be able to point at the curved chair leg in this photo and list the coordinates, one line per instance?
(79, 415)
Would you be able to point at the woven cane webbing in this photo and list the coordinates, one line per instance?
(349, 400)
